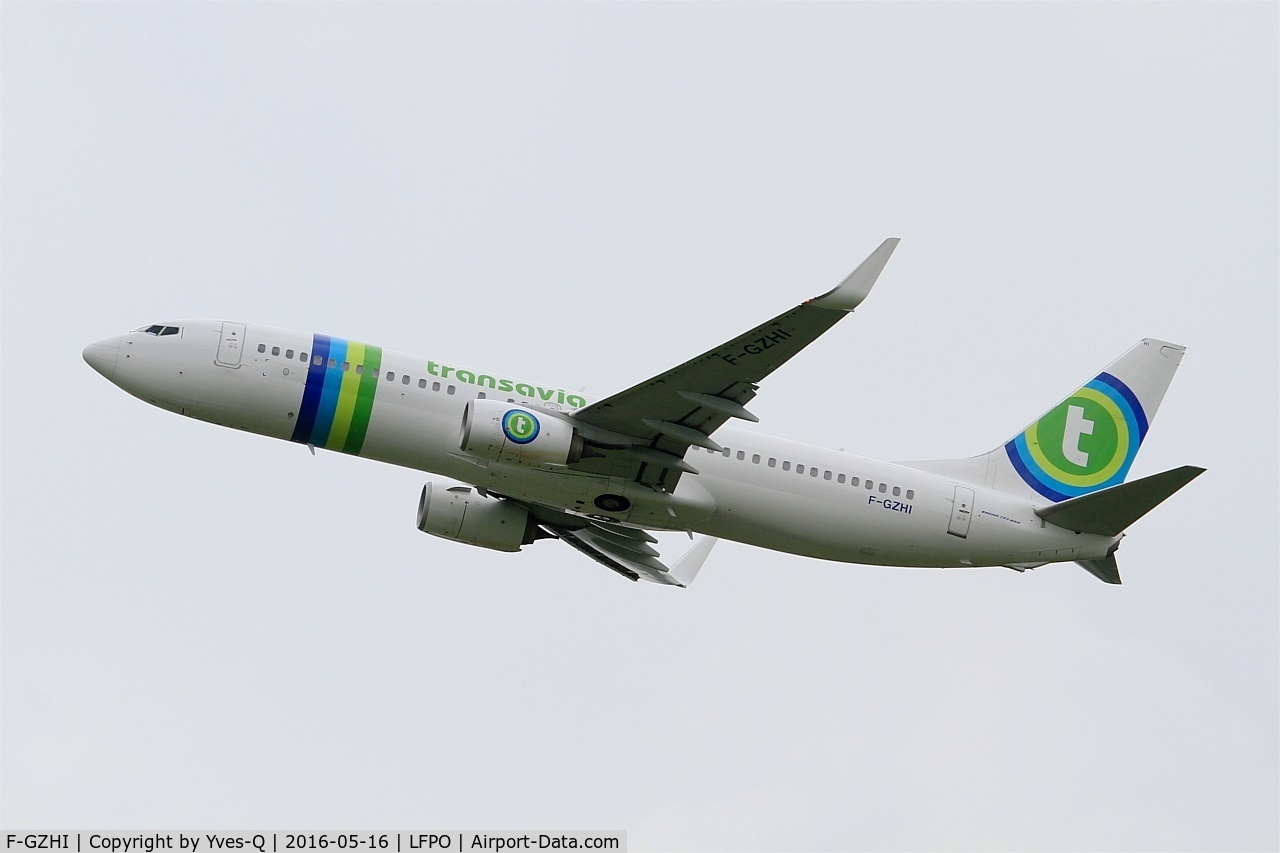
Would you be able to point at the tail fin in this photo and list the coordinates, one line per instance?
(1085, 443)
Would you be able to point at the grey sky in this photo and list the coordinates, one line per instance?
(210, 629)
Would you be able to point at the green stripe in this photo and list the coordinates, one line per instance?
(364, 400)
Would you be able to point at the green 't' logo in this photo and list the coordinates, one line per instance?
(520, 426)
(1083, 441)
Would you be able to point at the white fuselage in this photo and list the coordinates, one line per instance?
(760, 490)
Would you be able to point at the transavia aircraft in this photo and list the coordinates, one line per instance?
(539, 462)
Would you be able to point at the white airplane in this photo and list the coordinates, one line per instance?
(542, 462)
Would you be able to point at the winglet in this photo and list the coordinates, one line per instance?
(686, 569)
(850, 292)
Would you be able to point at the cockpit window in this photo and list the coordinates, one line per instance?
(153, 330)
(169, 330)
(159, 330)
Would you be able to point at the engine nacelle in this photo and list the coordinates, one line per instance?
(505, 432)
(462, 514)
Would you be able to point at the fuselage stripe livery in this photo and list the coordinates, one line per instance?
(329, 392)
(337, 403)
(1088, 442)
(363, 410)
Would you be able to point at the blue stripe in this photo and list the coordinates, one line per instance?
(329, 395)
(1134, 406)
(1015, 450)
(311, 394)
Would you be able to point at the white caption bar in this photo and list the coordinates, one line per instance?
(492, 841)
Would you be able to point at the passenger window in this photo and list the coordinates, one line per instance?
(375, 372)
(755, 459)
(773, 462)
(450, 390)
(786, 466)
(480, 396)
(839, 478)
(422, 383)
(317, 361)
(826, 475)
(435, 386)
(302, 357)
(813, 472)
(404, 380)
(726, 451)
(333, 362)
(799, 469)
(360, 369)
(910, 494)
(896, 491)
(288, 354)
(742, 454)
(853, 481)
(346, 365)
(870, 485)
(391, 375)
(275, 350)
(883, 488)
(262, 347)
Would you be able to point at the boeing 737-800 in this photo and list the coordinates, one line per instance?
(533, 461)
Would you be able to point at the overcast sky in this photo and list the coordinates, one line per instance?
(209, 629)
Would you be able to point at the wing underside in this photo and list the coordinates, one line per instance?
(629, 551)
(635, 559)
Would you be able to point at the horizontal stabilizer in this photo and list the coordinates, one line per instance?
(1104, 570)
(1110, 511)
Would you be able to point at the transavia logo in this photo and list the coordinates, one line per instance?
(1086, 443)
(520, 426)
(558, 396)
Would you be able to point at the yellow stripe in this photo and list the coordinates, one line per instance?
(346, 398)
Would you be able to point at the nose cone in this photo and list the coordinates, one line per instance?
(102, 356)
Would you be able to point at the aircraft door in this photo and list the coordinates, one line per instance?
(961, 512)
(230, 345)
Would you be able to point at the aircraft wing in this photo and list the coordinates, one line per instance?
(657, 421)
(629, 553)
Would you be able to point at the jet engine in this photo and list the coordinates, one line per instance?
(505, 432)
(463, 514)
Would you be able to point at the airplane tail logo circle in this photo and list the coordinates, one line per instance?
(520, 426)
(1086, 443)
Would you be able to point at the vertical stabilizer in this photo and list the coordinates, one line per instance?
(1086, 442)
